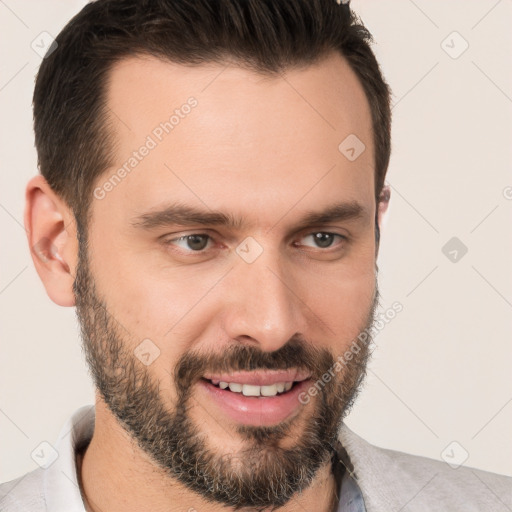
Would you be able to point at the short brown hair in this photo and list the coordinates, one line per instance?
(71, 118)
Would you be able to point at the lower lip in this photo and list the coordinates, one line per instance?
(255, 410)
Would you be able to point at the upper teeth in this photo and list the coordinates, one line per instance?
(252, 390)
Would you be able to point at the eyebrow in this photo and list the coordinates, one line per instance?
(178, 214)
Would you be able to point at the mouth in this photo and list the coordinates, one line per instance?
(256, 397)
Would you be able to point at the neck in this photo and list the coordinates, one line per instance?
(115, 475)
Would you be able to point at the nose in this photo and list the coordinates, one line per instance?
(262, 308)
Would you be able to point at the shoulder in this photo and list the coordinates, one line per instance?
(23, 493)
(392, 480)
(54, 486)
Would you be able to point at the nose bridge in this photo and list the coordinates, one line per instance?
(262, 305)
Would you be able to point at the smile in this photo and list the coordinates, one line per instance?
(256, 397)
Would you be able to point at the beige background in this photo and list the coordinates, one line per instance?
(441, 372)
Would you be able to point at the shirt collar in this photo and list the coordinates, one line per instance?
(350, 495)
(60, 482)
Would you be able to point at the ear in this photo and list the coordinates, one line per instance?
(51, 232)
(382, 208)
(383, 203)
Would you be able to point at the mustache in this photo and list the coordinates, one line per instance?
(296, 353)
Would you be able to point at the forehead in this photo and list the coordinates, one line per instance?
(213, 129)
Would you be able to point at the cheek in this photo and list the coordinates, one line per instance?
(342, 297)
(345, 303)
(158, 310)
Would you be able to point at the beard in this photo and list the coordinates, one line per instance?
(263, 475)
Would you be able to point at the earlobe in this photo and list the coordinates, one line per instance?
(52, 240)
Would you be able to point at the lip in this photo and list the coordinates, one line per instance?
(260, 377)
(251, 410)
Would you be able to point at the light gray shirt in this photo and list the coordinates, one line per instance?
(375, 479)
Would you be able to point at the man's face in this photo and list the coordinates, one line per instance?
(267, 299)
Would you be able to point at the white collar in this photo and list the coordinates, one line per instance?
(60, 481)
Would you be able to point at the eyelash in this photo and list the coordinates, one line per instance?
(169, 242)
